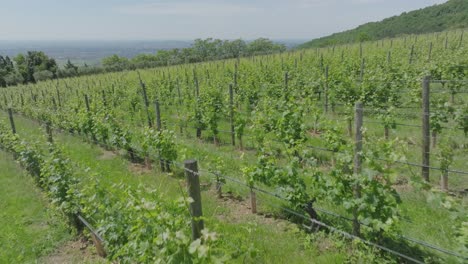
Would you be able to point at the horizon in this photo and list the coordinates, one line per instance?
(141, 40)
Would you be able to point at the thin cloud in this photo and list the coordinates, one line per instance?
(186, 9)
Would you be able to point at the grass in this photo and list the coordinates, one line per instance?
(28, 227)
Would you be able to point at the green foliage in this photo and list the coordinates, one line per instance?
(6, 69)
(35, 66)
(287, 179)
(162, 142)
(201, 50)
(137, 224)
(333, 139)
(461, 117)
(377, 205)
(57, 179)
(115, 63)
(440, 113)
(43, 75)
(445, 155)
(212, 104)
(263, 46)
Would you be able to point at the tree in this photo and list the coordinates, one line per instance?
(13, 78)
(233, 49)
(7, 72)
(263, 46)
(115, 63)
(70, 65)
(35, 61)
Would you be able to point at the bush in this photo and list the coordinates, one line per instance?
(43, 75)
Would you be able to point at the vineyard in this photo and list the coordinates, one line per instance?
(364, 142)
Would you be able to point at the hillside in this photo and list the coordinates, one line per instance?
(451, 15)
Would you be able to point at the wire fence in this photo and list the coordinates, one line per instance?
(414, 240)
(423, 243)
(413, 164)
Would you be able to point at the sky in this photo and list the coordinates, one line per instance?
(190, 19)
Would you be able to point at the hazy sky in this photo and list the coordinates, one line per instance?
(190, 19)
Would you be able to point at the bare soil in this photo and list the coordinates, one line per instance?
(73, 252)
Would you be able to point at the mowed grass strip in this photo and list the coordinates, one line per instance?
(28, 228)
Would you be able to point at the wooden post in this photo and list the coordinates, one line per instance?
(159, 127)
(361, 75)
(444, 180)
(360, 50)
(178, 92)
(426, 140)
(33, 97)
(350, 127)
(357, 162)
(145, 97)
(325, 91)
(411, 54)
(430, 52)
(50, 139)
(446, 42)
(219, 186)
(54, 103)
(321, 62)
(195, 79)
(158, 115)
(236, 74)
(231, 113)
(59, 99)
(104, 99)
(461, 39)
(87, 102)
(253, 201)
(197, 91)
(193, 186)
(12, 121)
(99, 247)
(97, 239)
(389, 57)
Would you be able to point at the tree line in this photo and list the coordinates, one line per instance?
(201, 50)
(36, 66)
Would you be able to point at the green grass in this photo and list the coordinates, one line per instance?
(28, 227)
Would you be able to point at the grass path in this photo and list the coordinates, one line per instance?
(28, 228)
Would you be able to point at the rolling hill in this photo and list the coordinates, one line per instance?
(451, 15)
